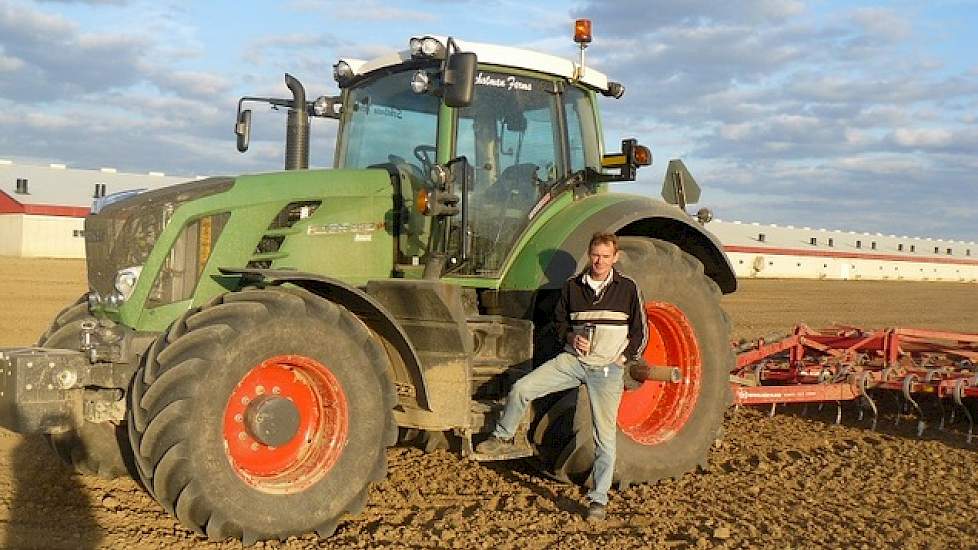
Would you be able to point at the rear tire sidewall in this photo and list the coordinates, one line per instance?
(346, 359)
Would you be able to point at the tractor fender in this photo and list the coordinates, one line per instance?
(408, 377)
(567, 235)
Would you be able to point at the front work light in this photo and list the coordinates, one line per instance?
(426, 46)
(342, 72)
(420, 83)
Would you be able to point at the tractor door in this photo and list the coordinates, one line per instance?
(513, 135)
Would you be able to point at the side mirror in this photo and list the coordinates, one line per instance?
(243, 130)
(459, 79)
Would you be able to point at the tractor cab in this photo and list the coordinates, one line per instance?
(521, 135)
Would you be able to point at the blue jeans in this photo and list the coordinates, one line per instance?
(604, 388)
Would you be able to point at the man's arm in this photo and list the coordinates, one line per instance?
(637, 326)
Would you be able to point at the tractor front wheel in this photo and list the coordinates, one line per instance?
(263, 415)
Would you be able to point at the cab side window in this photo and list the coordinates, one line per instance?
(581, 131)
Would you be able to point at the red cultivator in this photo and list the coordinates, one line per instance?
(850, 364)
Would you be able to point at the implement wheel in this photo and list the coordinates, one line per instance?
(92, 449)
(263, 415)
(664, 429)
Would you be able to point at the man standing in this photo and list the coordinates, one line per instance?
(601, 321)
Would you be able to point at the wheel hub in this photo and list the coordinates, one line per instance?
(657, 411)
(273, 421)
(286, 424)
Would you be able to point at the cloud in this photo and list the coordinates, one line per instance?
(642, 16)
(53, 60)
(922, 137)
(89, 2)
(882, 24)
(368, 10)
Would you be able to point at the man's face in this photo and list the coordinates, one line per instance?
(602, 256)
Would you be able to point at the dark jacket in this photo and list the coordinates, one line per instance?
(617, 314)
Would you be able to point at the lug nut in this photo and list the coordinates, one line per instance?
(259, 390)
(242, 436)
(238, 418)
(276, 390)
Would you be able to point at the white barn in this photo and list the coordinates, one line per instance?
(788, 252)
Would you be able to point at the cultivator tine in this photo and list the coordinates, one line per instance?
(804, 409)
(959, 400)
(863, 382)
(774, 407)
(838, 413)
(908, 383)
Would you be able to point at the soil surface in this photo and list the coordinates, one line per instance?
(794, 480)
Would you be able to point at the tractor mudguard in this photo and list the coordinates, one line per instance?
(367, 309)
(557, 250)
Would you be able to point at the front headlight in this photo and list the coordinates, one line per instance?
(126, 279)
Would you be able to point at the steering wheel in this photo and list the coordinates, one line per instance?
(421, 153)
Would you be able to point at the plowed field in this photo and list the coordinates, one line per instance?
(794, 480)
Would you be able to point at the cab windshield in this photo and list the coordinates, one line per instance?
(384, 121)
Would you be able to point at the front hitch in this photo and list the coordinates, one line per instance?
(41, 389)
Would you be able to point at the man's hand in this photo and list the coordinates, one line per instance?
(580, 343)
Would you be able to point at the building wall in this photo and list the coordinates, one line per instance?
(53, 237)
(11, 234)
(789, 266)
(770, 251)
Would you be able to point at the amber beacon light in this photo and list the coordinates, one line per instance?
(582, 31)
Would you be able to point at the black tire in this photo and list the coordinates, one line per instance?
(563, 432)
(95, 449)
(179, 396)
(92, 449)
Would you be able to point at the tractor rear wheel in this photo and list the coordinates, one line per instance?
(664, 429)
(263, 415)
(91, 449)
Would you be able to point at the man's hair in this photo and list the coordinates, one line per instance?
(602, 237)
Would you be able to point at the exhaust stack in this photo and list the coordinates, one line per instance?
(297, 127)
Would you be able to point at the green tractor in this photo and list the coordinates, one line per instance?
(251, 345)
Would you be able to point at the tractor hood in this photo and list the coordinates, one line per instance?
(334, 222)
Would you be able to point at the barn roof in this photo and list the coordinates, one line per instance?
(57, 190)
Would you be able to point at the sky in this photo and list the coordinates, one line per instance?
(844, 115)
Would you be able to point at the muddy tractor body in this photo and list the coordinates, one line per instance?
(251, 345)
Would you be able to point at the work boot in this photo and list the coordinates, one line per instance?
(495, 446)
(597, 511)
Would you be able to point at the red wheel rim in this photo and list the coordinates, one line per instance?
(319, 440)
(656, 411)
